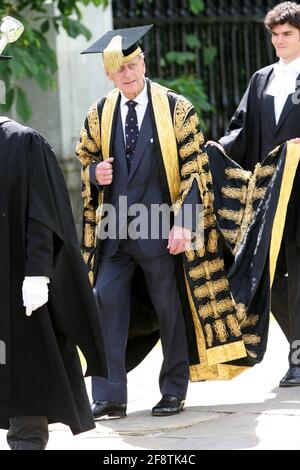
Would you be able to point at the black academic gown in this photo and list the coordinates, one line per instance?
(40, 371)
(253, 133)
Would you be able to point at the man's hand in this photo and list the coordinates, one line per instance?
(295, 141)
(104, 172)
(179, 240)
(35, 293)
(215, 144)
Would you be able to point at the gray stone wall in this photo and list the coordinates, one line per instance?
(59, 114)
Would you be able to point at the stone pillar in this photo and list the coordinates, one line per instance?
(59, 114)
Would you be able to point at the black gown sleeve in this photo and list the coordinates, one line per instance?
(188, 215)
(41, 214)
(39, 249)
(235, 139)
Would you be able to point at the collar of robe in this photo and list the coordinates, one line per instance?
(285, 78)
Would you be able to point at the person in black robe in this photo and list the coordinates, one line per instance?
(268, 116)
(47, 304)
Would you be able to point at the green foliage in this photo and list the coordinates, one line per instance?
(180, 58)
(188, 84)
(196, 6)
(210, 54)
(192, 89)
(33, 57)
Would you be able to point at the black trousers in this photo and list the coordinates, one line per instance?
(286, 295)
(28, 433)
(113, 287)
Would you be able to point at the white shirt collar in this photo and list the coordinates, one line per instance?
(293, 67)
(141, 99)
(285, 77)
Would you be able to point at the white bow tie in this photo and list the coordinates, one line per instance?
(284, 81)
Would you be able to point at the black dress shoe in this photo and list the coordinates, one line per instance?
(108, 408)
(292, 378)
(168, 405)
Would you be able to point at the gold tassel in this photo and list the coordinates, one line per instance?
(113, 55)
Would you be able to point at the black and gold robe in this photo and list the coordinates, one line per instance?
(224, 334)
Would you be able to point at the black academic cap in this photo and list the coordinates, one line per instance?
(119, 46)
(5, 57)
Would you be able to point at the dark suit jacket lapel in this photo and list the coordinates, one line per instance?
(268, 106)
(146, 133)
(269, 111)
(287, 109)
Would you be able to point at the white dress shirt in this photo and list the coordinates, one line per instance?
(142, 103)
(283, 84)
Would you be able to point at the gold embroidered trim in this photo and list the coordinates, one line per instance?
(90, 215)
(235, 216)
(252, 339)
(233, 326)
(226, 353)
(89, 236)
(209, 335)
(182, 109)
(199, 271)
(107, 120)
(230, 235)
(217, 372)
(86, 148)
(201, 251)
(204, 160)
(250, 320)
(248, 213)
(209, 220)
(200, 339)
(259, 193)
(214, 308)
(205, 177)
(183, 193)
(191, 147)
(220, 330)
(263, 171)
(190, 167)
(191, 255)
(241, 312)
(238, 173)
(167, 140)
(251, 353)
(235, 193)
(290, 168)
(213, 241)
(86, 193)
(94, 125)
(211, 289)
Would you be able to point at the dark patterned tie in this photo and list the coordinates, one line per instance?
(131, 132)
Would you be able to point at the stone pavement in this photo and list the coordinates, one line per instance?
(250, 412)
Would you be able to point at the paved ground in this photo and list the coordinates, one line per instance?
(250, 412)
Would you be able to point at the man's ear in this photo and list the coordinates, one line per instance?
(108, 74)
(144, 64)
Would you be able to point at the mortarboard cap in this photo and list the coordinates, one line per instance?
(119, 46)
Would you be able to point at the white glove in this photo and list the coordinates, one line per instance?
(35, 293)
